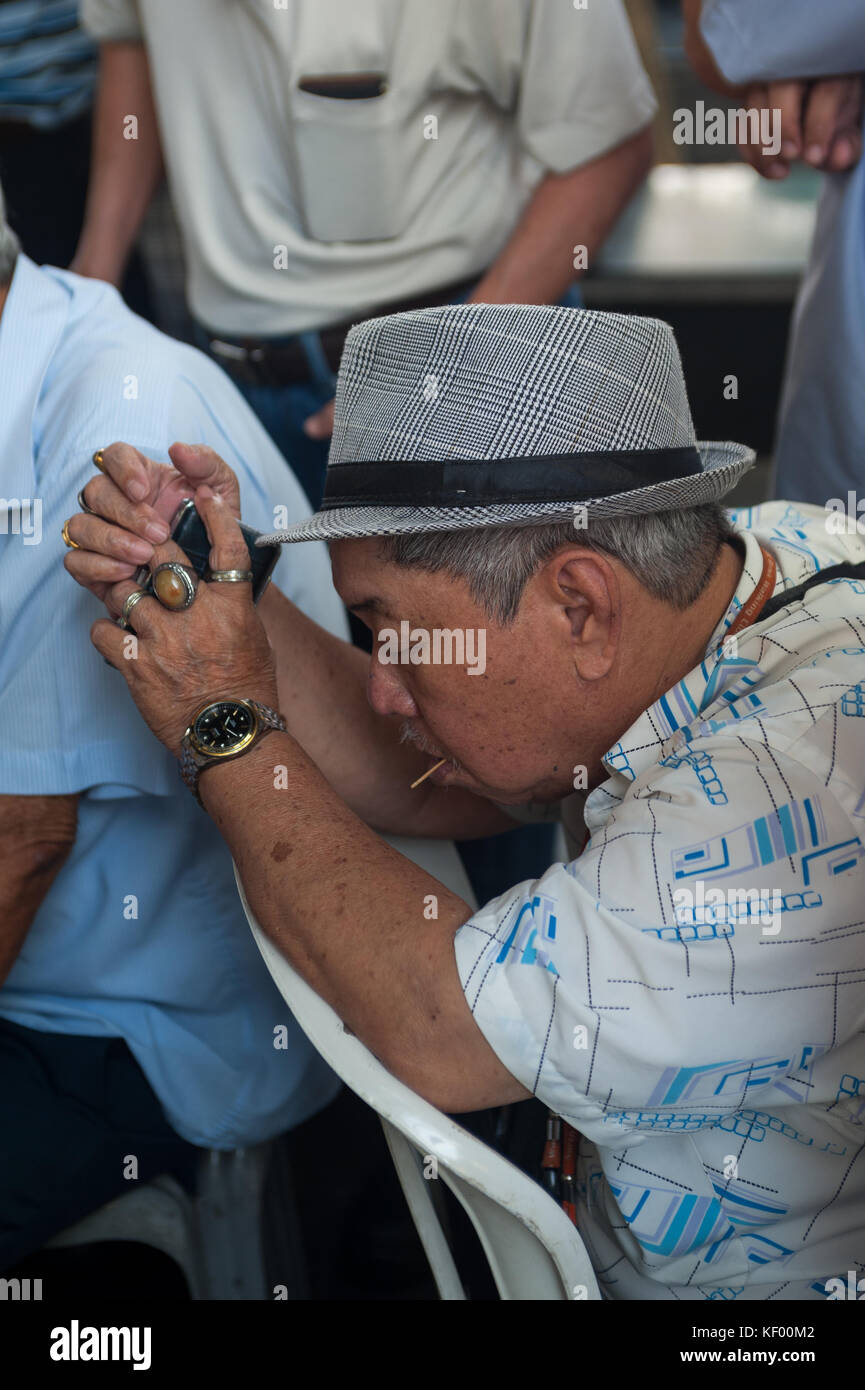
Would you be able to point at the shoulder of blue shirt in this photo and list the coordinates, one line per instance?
(114, 376)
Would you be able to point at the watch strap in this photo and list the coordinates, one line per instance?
(193, 763)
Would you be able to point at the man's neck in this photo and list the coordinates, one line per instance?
(4, 294)
(690, 631)
(678, 639)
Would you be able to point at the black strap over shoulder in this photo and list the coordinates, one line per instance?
(845, 571)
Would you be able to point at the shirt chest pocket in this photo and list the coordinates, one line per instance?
(351, 158)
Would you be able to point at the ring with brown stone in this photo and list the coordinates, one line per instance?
(174, 585)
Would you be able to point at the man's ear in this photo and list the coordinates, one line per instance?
(586, 587)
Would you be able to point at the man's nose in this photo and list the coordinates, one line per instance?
(386, 692)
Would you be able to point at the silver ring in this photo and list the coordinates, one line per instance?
(229, 577)
(128, 604)
(172, 598)
(83, 504)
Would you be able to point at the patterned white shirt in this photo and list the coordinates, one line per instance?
(689, 992)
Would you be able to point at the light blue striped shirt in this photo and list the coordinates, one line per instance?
(141, 935)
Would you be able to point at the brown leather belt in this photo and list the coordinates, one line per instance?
(283, 361)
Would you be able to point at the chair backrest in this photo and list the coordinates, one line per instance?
(533, 1250)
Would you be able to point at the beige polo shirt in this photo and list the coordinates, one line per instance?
(299, 210)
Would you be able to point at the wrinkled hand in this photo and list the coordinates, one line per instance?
(215, 649)
(135, 499)
(821, 124)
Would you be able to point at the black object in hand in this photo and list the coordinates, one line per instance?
(190, 533)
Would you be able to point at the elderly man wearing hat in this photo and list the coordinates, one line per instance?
(687, 991)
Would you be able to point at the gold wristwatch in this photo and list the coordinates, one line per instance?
(221, 730)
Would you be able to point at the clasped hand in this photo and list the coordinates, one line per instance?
(217, 648)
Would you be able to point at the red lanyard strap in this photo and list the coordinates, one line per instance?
(757, 601)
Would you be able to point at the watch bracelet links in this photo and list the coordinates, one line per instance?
(270, 721)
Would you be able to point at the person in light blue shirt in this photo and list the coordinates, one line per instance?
(132, 975)
(822, 419)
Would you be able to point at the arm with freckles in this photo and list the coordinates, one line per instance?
(347, 912)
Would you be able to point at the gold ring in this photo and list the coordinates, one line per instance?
(70, 543)
(97, 459)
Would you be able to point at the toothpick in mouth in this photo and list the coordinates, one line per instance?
(428, 773)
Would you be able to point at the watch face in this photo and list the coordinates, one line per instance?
(224, 727)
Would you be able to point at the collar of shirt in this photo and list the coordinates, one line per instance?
(645, 742)
(31, 325)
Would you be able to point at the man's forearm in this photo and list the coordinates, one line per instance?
(566, 210)
(36, 835)
(322, 693)
(348, 912)
(126, 167)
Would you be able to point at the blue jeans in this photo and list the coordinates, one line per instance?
(493, 864)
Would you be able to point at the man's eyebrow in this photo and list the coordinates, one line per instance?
(370, 605)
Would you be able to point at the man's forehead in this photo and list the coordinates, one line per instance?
(365, 578)
(356, 560)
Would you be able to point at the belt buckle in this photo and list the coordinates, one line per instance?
(243, 363)
(235, 352)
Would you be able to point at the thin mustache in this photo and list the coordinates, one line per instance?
(408, 734)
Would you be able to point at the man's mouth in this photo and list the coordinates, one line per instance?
(409, 734)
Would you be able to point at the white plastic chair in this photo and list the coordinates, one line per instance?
(534, 1251)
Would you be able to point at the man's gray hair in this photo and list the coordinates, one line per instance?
(9, 246)
(672, 554)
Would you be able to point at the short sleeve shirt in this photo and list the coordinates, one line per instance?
(300, 209)
(689, 991)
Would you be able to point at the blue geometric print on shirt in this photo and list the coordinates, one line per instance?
(706, 774)
(724, 668)
(664, 1221)
(853, 1088)
(617, 760)
(739, 1076)
(524, 935)
(853, 702)
(754, 1125)
(796, 828)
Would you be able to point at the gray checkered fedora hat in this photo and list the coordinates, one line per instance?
(473, 415)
